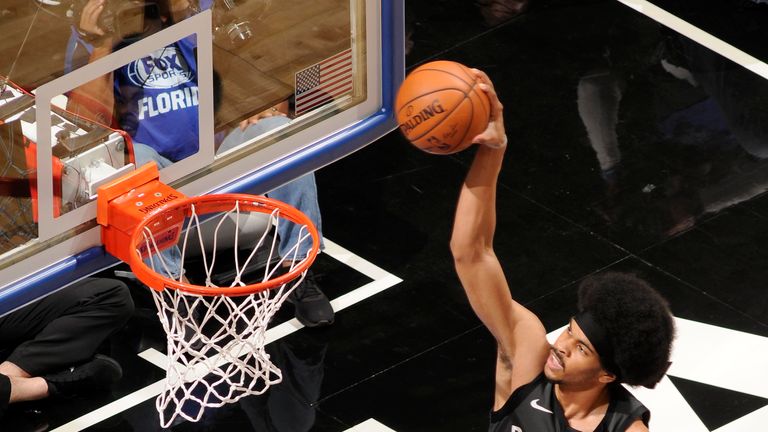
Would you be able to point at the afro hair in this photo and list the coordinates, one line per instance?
(637, 322)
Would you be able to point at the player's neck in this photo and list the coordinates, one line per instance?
(582, 402)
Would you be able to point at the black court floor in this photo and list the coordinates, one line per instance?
(631, 147)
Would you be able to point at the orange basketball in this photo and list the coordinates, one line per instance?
(440, 108)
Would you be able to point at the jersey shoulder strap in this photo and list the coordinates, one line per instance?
(518, 396)
(623, 410)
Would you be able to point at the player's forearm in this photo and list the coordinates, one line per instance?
(486, 288)
(475, 220)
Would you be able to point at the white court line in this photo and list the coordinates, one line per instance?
(342, 255)
(698, 35)
(155, 357)
(382, 280)
(116, 407)
(370, 425)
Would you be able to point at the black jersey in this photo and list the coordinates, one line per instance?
(534, 408)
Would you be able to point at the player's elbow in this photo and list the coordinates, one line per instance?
(460, 250)
(467, 252)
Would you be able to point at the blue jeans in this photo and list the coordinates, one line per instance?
(145, 154)
(300, 193)
(170, 258)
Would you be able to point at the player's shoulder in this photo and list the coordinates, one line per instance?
(535, 388)
(637, 426)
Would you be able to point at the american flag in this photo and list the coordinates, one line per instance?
(323, 82)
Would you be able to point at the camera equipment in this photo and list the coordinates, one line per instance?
(120, 18)
(234, 25)
(131, 19)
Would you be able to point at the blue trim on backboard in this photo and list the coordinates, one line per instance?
(324, 152)
(54, 277)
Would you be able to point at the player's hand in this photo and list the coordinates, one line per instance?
(89, 19)
(494, 135)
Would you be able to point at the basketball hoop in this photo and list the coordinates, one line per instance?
(216, 333)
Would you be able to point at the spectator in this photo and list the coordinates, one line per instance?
(49, 348)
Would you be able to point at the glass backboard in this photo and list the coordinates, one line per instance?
(90, 94)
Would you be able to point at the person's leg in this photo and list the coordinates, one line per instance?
(239, 136)
(5, 394)
(599, 95)
(60, 333)
(16, 389)
(27, 389)
(312, 306)
(144, 154)
(66, 327)
(168, 262)
(292, 404)
(16, 384)
(9, 369)
(302, 195)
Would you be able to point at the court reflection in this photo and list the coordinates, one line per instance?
(285, 407)
(678, 133)
(288, 406)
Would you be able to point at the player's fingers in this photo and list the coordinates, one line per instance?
(487, 86)
(497, 108)
(483, 78)
(494, 135)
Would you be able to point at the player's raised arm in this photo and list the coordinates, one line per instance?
(522, 345)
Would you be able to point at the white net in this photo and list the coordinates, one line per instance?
(216, 343)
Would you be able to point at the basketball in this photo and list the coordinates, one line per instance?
(440, 107)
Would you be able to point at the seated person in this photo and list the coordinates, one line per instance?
(49, 348)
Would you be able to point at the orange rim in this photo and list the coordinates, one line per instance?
(216, 203)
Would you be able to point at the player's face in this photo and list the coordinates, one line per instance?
(573, 360)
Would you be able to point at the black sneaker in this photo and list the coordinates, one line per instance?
(313, 309)
(94, 375)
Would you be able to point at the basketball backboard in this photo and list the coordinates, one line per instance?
(332, 66)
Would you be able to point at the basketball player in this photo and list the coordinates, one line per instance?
(622, 331)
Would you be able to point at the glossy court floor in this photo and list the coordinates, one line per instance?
(631, 148)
